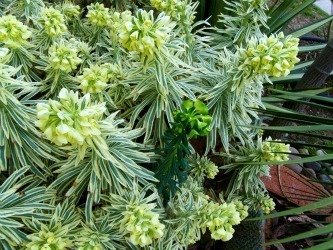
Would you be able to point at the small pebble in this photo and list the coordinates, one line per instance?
(304, 151)
(313, 165)
(310, 173)
(321, 152)
(325, 164)
(324, 177)
(295, 157)
(294, 150)
(295, 167)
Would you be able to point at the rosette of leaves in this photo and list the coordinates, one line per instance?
(20, 199)
(56, 232)
(172, 168)
(20, 143)
(137, 212)
(99, 234)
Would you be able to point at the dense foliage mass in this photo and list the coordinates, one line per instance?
(97, 111)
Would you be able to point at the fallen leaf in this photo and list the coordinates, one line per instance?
(295, 187)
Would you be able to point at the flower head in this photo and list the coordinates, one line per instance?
(98, 15)
(63, 57)
(70, 10)
(142, 224)
(71, 120)
(49, 240)
(13, 33)
(171, 7)
(274, 56)
(275, 150)
(53, 22)
(219, 219)
(94, 79)
(145, 35)
(267, 204)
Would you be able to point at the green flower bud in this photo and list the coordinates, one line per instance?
(193, 119)
(267, 204)
(202, 167)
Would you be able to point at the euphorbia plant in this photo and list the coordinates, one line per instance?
(102, 108)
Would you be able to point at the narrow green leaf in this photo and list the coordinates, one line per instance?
(307, 29)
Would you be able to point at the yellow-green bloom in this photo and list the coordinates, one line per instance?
(94, 79)
(53, 22)
(98, 15)
(241, 208)
(13, 33)
(48, 240)
(274, 56)
(70, 10)
(145, 35)
(274, 150)
(171, 7)
(63, 57)
(142, 224)
(71, 120)
(202, 167)
(219, 219)
(267, 204)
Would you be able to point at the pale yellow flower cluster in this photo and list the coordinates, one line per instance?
(70, 10)
(145, 35)
(98, 15)
(267, 204)
(53, 22)
(142, 224)
(13, 33)
(274, 56)
(94, 79)
(220, 219)
(46, 240)
(118, 19)
(275, 150)
(171, 7)
(71, 120)
(63, 57)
